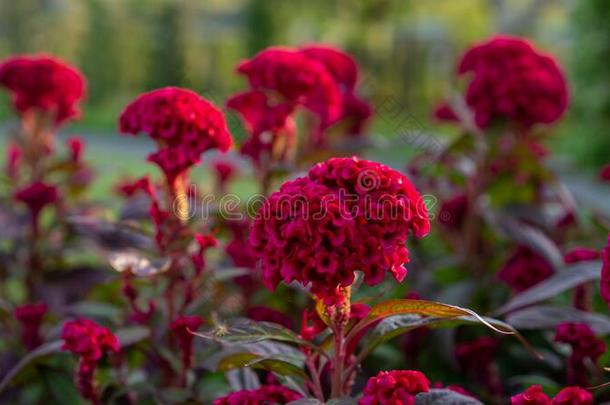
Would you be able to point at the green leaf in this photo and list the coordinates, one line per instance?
(444, 397)
(61, 387)
(416, 313)
(94, 310)
(248, 331)
(242, 354)
(549, 316)
(559, 282)
(29, 359)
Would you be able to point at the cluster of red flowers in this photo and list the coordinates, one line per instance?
(394, 387)
(511, 81)
(183, 124)
(45, 84)
(347, 215)
(584, 344)
(534, 395)
(265, 395)
(30, 317)
(89, 341)
(524, 269)
(321, 79)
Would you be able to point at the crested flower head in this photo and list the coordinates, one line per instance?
(573, 396)
(394, 387)
(265, 395)
(88, 340)
(30, 317)
(582, 339)
(298, 79)
(534, 395)
(183, 124)
(347, 215)
(524, 269)
(513, 81)
(44, 84)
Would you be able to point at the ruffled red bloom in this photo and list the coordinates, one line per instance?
(180, 329)
(524, 269)
(45, 84)
(604, 283)
(183, 124)
(582, 339)
(265, 395)
(604, 173)
(394, 387)
(513, 81)
(344, 70)
(573, 396)
(88, 340)
(37, 196)
(14, 154)
(30, 317)
(262, 313)
(453, 212)
(300, 80)
(348, 215)
(76, 146)
(532, 396)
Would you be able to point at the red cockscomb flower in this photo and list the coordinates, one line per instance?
(265, 395)
(584, 345)
(88, 340)
(181, 328)
(513, 81)
(573, 396)
(394, 387)
(183, 124)
(299, 79)
(344, 70)
(37, 196)
(348, 215)
(45, 84)
(604, 283)
(524, 269)
(30, 317)
(534, 395)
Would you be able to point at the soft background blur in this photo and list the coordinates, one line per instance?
(406, 48)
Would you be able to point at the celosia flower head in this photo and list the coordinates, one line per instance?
(88, 340)
(534, 395)
(299, 80)
(347, 215)
(582, 339)
(183, 124)
(45, 84)
(30, 317)
(394, 387)
(524, 269)
(265, 395)
(512, 81)
(573, 396)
